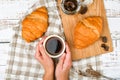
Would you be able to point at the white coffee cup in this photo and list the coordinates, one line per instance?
(78, 6)
(54, 46)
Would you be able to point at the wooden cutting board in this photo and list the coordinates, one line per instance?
(69, 22)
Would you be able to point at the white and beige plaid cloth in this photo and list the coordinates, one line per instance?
(22, 64)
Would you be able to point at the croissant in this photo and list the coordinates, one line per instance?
(35, 24)
(87, 31)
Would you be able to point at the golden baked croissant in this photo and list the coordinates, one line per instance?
(35, 24)
(87, 31)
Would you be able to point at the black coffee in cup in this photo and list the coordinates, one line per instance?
(70, 5)
(54, 46)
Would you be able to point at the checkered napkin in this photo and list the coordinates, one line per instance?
(22, 64)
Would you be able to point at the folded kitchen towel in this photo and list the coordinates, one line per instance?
(22, 64)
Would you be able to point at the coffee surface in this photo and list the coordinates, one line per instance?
(70, 5)
(53, 46)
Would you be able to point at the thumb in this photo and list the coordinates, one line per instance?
(61, 60)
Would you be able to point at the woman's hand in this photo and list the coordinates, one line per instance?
(45, 60)
(64, 65)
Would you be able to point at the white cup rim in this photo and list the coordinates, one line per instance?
(63, 42)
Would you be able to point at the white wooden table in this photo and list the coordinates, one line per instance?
(11, 11)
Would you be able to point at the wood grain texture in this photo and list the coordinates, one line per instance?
(69, 22)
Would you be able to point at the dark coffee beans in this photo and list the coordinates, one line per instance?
(104, 39)
(83, 9)
(105, 47)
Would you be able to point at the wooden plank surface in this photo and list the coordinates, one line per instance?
(69, 22)
(6, 34)
(16, 9)
(4, 47)
(5, 38)
(2, 72)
